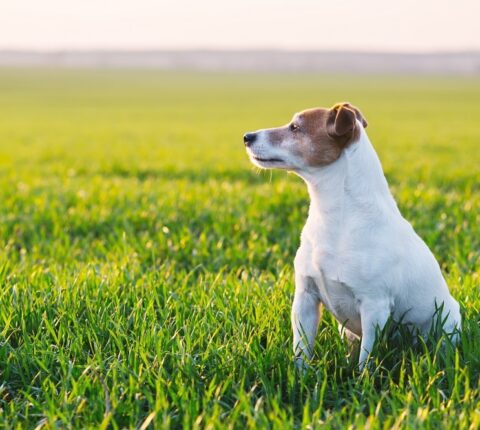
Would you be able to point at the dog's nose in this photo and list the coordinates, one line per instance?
(249, 138)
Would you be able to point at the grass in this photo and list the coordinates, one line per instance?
(146, 267)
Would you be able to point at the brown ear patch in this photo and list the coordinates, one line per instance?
(358, 114)
(339, 109)
(341, 121)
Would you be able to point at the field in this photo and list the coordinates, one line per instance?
(146, 266)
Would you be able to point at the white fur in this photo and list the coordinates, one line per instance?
(358, 255)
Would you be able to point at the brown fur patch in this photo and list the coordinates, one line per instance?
(330, 131)
(316, 146)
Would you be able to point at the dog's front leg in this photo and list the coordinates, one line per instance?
(305, 317)
(374, 315)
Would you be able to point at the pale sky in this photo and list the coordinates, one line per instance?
(381, 25)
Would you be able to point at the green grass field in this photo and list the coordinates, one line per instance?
(146, 266)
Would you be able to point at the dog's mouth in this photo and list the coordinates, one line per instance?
(267, 160)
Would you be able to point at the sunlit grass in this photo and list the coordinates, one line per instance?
(146, 266)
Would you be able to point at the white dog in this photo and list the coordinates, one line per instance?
(358, 256)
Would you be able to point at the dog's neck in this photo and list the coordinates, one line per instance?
(354, 181)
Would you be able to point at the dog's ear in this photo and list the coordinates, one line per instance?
(340, 121)
(342, 118)
(358, 114)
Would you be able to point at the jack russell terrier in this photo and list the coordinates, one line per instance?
(358, 256)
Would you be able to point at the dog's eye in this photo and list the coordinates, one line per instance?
(294, 127)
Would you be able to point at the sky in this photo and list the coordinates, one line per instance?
(373, 25)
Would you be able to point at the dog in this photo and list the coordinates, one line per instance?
(358, 256)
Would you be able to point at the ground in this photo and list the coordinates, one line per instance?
(146, 266)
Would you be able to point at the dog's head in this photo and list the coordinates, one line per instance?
(314, 138)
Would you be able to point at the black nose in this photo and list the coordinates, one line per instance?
(249, 138)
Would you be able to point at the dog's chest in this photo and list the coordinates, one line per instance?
(319, 265)
(340, 300)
